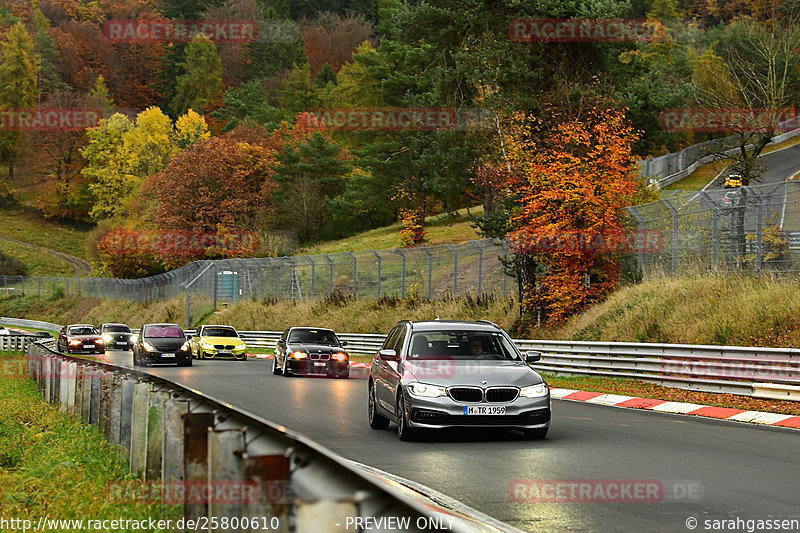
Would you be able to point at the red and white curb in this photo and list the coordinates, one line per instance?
(663, 406)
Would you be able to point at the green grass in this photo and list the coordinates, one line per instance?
(26, 225)
(38, 262)
(52, 464)
(440, 229)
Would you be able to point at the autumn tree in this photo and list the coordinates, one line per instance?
(309, 174)
(224, 184)
(578, 176)
(330, 39)
(120, 154)
(19, 70)
(201, 81)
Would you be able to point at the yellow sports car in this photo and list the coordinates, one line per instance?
(218, 342)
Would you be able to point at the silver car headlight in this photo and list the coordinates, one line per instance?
(534, 391)
(424, 390)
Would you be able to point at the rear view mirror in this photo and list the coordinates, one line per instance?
(532, 356)
(388, 355)
(344, 343)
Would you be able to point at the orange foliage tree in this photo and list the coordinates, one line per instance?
(577, 176)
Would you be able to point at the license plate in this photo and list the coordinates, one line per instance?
(88, 345)
(167, 355)
(319, 364)
(484, 410)
(224, 354)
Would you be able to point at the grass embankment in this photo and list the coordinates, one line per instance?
(51, 464)
(38, 262)
(439, 229)
(27, 225)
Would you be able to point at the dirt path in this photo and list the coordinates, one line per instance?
(81, 267)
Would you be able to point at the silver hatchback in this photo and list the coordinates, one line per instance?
(441, 374)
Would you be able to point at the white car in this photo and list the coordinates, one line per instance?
(4, 331)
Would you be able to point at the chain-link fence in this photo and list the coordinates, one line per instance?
(752, 229)
(425, 272)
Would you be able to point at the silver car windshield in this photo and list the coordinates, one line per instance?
(461, 346)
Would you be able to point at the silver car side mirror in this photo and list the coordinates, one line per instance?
(532, 356)
(388, 355)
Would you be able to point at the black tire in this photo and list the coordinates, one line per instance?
(536, 434)
(403, 431)
(135, 359)
(242, 358)
(275, 370)
(285, 371)
(376, 420)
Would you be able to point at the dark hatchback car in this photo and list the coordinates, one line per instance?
(117, 336)
(80, 338)
(161, 343)
(440, 374)
(311, 351)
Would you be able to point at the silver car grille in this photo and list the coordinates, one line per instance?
(478, 395)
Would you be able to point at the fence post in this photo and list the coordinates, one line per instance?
(674, 236)
(480, 266)
(759, 222)
(378, 280)
(330, 280)
(455, 269)
(188, 310)
(138, 441)
(639, 240)
(430, 269)
(355, 273)
(313, 265)
(402, 275)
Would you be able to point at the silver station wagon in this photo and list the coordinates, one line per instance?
(442, 374)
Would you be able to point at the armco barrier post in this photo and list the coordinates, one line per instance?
(319, 515)
(195, 457)
(104, 420)
(225, 448)
(155, 433)
(64, 381)
(172, 442)
(114, 408)
(77, 405)
(58, 364)
(270, 473)
(138, 444)
(72, 372)
(86, 392)
(95, 400)
(126, 387)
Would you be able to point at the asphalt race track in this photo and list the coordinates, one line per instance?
(732, 470)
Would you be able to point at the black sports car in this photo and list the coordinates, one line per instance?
(161, 343)
(311, 351)
(117, 336)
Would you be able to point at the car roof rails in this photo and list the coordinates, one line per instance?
(489, 322)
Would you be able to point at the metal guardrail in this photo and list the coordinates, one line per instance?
(35, 324)
(16, 343)
(728, 369)
(177, 435)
